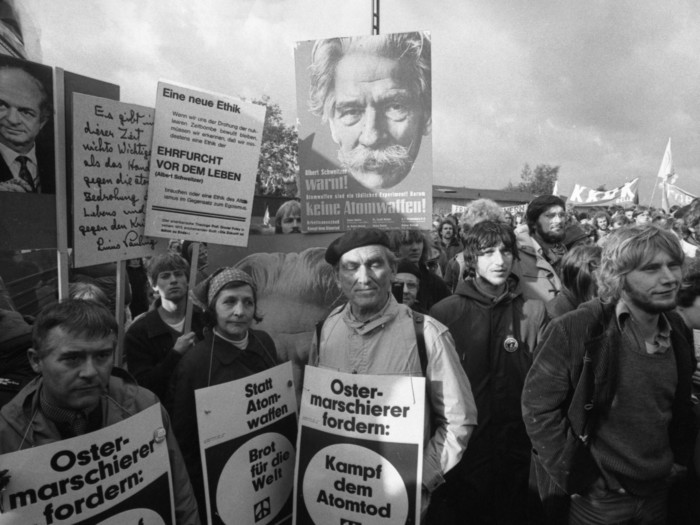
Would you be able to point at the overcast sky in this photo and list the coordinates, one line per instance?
(596, 87)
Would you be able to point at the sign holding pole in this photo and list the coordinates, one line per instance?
(206, 149)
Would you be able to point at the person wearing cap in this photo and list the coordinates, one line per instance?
(408, 277)
(373, 334)
(230, 350)
(156, 340)
(541, 248)
(79, 390)
(495, 332)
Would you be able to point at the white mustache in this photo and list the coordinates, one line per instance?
(392, 158)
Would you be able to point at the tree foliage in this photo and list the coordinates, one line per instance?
(278, 166)
(539, 181)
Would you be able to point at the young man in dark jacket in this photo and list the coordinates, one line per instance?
(155, 342)
(495, 332)
(607, 402)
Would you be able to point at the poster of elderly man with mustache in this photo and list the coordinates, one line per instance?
(365, 116)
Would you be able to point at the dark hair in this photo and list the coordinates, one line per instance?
(690, 289)
(77, 317)
(449, 222)
(539, 205)
(601, 215)
(166, 262)
(579, 268)
(210, 313)
(487, 234)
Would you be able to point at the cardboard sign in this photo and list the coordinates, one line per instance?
(247, 430)
(120, 474)
(365, 160)
(111, 157)
(360, 449)
(206, 149)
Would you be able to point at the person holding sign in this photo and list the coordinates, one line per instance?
(156, 341)
(230, 350)
(374, 334)
(79, 390)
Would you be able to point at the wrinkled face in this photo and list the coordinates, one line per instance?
(365, 276)
(602, 223)
(411, 251)
(493, 266)
(551, 224)
(410, 287)
(654, 285)
(378, 121)
(172, 285)
(447, 231)
(76, 369)
(291, 223)
(235, 309)
(20, 110)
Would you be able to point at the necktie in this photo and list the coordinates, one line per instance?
(24, 172)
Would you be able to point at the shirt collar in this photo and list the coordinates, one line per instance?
(662, 341)
(9, 155)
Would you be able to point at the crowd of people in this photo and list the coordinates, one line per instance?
(557, 348)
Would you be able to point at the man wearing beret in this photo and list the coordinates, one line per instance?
(373, 334)
(541, 248)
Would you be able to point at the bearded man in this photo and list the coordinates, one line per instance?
(541, 248)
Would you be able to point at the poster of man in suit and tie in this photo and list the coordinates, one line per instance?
(26, 131)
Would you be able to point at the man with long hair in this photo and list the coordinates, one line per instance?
(495, 331)
(607, 402)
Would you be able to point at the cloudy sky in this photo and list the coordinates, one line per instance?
(596, 87)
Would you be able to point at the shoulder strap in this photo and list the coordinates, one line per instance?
(420, 341)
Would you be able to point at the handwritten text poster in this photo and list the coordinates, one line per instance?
(111, 155)
(206, 149)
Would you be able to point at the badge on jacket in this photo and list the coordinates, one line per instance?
(510, 344)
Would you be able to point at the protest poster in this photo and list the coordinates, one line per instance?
(359, 449)
(365, 158)
(583, 196)
(117, 475)
(27, 157)
(111, 156)
(247, 430)
(206, 148)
